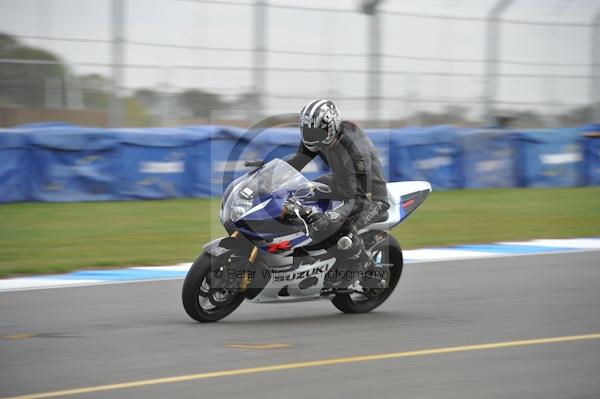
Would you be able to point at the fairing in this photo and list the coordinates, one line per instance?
(255, 204)
(403, 199)
(260, 196)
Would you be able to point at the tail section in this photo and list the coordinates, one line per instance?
(403, 198)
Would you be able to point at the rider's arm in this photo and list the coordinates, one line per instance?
(301, 158)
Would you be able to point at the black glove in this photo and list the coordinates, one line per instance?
(321, 225)
(317, 223)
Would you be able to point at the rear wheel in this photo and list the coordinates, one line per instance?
(388, 252)
(203, 303)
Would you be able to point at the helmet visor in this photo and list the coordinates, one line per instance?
(313, 138)
(313, 134)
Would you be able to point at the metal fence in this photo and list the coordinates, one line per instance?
(381, 63)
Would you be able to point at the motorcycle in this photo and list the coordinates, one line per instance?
(269, 255)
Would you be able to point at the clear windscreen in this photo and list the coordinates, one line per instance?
(274, 176)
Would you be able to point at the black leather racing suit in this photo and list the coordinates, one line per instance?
(356, 178)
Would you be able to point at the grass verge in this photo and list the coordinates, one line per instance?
(58, 237)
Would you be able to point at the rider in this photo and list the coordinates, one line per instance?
(356, 178)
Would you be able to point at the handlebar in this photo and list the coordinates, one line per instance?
(254, 164)
(296, 214)
(294, 207)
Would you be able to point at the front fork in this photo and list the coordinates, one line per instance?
(228, 274)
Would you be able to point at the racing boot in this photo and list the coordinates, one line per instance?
(354, 267)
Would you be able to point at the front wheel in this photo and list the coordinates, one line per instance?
(387, 252)
(202, 302)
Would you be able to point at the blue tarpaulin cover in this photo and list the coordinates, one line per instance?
(152, 162)
(549, 158)
(227, 152)
(591, 139)
(14, 166)
(72, 163)
(487, 158)
(283, 143)
(427, 154)
(381, 139)
(61, 162)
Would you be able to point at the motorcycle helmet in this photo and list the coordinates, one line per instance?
(320, 123)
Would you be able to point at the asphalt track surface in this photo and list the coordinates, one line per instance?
(72, 338)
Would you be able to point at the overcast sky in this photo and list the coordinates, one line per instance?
(192, 23)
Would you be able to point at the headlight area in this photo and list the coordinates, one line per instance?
(239, 207)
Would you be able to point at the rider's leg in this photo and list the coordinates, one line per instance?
(352, 258)
(353, 262)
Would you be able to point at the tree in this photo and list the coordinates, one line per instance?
(26, 84)
(135, 114)
(451, 115)
(95, 91)
(577, 116)
(199, 103)
(148, 98)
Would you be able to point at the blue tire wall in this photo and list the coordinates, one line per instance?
(65, 163)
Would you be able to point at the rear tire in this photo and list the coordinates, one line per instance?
(349, 303)
(201, 302)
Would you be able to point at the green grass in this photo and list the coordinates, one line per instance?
(50, 238)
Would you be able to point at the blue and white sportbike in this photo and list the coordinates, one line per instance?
(269, 255)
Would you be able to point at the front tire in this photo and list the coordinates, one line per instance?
(358, 303)
(201, 302)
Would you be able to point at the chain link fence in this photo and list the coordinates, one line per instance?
(169, 62)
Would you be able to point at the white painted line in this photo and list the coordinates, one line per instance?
(578, 243)
(84, 283)
(41, 282)
(508, 255)
(182, 267)
(427, 255)
(410, 256)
